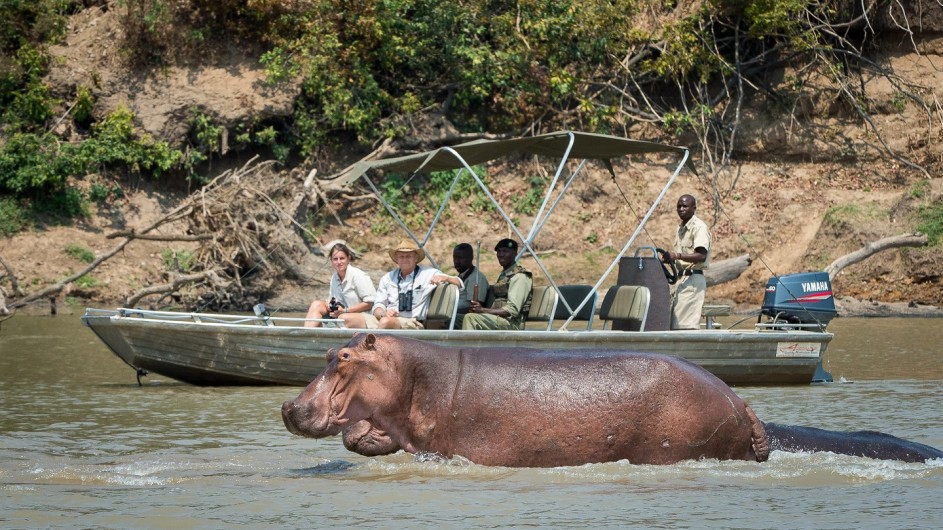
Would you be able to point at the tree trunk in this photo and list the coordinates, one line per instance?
(903, 240)
(727, 270)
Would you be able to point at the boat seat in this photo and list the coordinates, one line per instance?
(626, 303)
(574, 296)
(711, 311)
(543, 306)
(443, 306)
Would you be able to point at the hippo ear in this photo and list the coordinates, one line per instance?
(370, 341)
(331, 355)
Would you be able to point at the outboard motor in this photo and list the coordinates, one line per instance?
(804, 298)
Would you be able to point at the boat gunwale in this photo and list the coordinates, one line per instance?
(577, 335)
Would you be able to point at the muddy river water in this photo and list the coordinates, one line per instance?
(82, 446)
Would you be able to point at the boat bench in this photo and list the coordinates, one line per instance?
(711, 311)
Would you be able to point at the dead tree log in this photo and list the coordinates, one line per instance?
(727, 270)
(131, 234)
(903, 240)
(178, 281)
(13, 283)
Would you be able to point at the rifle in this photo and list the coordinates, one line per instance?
(477, 270)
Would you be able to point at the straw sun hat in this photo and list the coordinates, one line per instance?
(407, 245)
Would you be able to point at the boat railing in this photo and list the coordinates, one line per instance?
(209, 318)
(786, 326)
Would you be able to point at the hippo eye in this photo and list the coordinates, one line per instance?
(345, 355)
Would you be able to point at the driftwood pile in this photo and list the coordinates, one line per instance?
(243, 224)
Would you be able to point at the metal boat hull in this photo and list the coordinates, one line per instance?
(235, 350)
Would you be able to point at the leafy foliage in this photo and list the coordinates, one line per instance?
(86, 281)
(845, 214)
(12, 217)
(32, 165)
(178, 260)
(368, 68)
(80, 253)
(931, 222)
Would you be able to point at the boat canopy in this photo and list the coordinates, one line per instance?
(561, 144)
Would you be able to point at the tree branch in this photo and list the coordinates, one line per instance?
(903, 240)
(173, 286)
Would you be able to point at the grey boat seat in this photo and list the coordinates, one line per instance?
(443, 306)
(543, 306)
(574, 296)
(625, 303)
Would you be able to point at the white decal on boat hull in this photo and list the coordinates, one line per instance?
(798, 349)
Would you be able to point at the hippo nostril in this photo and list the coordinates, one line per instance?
(289, 408)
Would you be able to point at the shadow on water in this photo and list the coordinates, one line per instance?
(334, 467)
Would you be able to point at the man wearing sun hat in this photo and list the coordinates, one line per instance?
(508, 298)
(403, 294)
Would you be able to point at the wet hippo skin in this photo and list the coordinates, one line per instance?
(542, 408)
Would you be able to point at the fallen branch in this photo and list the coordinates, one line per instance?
(903, 240)
(178, 281)
(131, 234)
(54, 289)
(727, 270)
(13, 283)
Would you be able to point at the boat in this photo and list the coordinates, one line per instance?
(784, 346)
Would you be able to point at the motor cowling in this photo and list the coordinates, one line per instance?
(803, 298)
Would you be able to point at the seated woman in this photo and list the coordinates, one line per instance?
(351, 289)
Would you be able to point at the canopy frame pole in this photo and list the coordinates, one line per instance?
(638, 230)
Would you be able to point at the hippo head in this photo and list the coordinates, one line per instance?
(357, 383)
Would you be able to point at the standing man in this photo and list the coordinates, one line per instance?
(691, 251)
(463, 257)
(509, 297)
(403, 294)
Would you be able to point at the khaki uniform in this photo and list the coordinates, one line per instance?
(470, 279)
(688, 294)
(513, 292)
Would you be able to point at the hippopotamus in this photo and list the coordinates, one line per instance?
(545, 408)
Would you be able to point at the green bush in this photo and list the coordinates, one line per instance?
(439, 182)
(12, 217)
(86, 281)
(931, 222)
(206, 135)
(63, 204)
(80, 253)
(178, 260)
(919, 189)
(529, 202)
(30, 164)
(36, 166)
(114, 142)
(103, 192)
(854, 213)
(83, 105)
